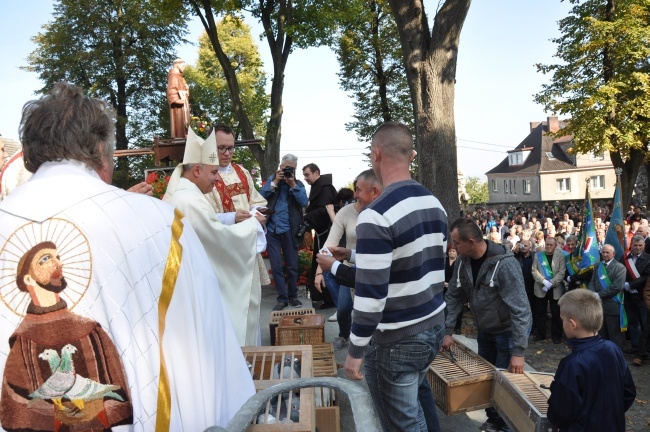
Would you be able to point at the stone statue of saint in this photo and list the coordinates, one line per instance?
(178, 94)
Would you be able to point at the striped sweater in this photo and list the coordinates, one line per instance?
(400, 257)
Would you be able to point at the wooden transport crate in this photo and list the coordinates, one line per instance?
(461, 385)
(276, 316)
(328, 415)
(302, 330)
(521, 400)
(261, 362)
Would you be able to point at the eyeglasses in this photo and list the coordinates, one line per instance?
(223, 149)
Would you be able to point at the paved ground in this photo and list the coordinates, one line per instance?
(541, 356)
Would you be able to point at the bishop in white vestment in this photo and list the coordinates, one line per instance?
(233, 248)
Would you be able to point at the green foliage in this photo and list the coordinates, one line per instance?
(115, 50)
(602, 81)
(369, 53)
(209, 89)
(477, 190)
(210, 97)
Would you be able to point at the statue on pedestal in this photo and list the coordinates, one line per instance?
(178, 94)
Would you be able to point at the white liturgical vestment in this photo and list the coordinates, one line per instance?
(140, 316)
(243, 199)
(232, 250)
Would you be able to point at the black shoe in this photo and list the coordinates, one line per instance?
(557, 341)
(538, 338)
(280, 306)
(327, 306)
(295, 303)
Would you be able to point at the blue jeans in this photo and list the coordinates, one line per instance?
(284, 241)
(343, 301)
(428, 404)
(497, 349)
(394, 373)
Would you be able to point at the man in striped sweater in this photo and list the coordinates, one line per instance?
(398, 320)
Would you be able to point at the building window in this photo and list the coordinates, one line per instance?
(495, 187)
(598, 182)
(597, 156)
(516, 158)
(505, 187)
(563, 185)
(513, 187)
(526, 186)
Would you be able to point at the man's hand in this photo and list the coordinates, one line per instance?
(291, 181)
(242, 215)
(448, 343)
(325, 262)
(260, 218)
(319, 282)
(339, 253)
(141, 188)
(279, 176)
(353, 368)
(516, 365)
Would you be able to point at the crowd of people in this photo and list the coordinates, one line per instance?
(154, 299)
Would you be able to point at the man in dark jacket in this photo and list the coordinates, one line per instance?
(523, 253)
(488, 276)
(321, 194)
(287, 197)
(637, 265)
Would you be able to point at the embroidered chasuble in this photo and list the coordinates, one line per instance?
(111, 317)
(236, 191)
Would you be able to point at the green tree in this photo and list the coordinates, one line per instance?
(209, 89)
(477, 190)
(370, 57)
(287, 25)
(115, 50)
(430, 58)
(603, 82)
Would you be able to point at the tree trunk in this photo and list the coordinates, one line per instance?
(430, 61)
(631, 168)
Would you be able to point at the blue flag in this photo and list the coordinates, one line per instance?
(616, 232)
(586, 254)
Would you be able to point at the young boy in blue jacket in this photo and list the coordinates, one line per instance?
(593, 386)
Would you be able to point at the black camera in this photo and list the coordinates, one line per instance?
(288, 171)
(304, 227)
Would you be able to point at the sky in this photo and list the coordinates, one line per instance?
(496, 79)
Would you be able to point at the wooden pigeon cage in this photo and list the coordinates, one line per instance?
(276, 316)
(261, 362)
(522, 400)
(328, 414)
(461, 381)
(302, 330)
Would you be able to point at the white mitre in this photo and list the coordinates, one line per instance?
(197, 150)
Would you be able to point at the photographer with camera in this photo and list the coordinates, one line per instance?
(287, 197)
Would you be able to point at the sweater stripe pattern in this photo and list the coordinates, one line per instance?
(400, 258)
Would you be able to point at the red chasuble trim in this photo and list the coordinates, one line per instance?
(226, 192)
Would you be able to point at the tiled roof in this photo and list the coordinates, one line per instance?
(537, 160)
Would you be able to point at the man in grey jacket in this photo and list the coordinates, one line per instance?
(488, 276)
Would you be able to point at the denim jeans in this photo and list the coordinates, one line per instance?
(394, 373)
(497, 349)
(278, 245)
(343, 301)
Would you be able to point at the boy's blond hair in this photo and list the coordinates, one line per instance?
(584, 307)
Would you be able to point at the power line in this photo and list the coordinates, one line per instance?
(480, 142)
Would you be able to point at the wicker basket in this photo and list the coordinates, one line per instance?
(303, 330)
(276, 316)
(521, 400)
(261, 361)
(461, 385)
